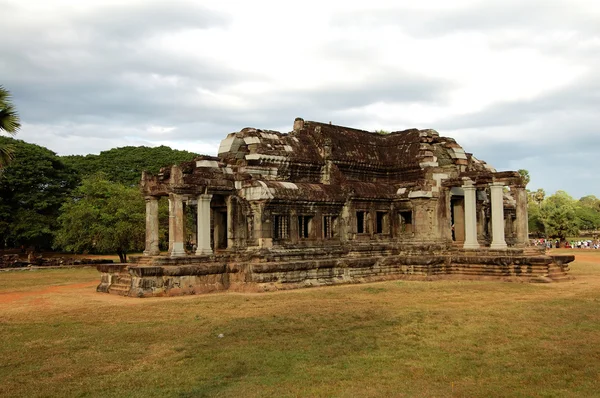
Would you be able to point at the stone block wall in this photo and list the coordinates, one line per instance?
(267, 270)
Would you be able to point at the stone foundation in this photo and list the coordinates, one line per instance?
(262, 270)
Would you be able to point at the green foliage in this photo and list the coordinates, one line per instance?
(536, 225)
(382, 132)
(557, 212)
(587, 212)
(537, 196)
(587, 218)
(9, 123)
(525, 175)
(125, 165)
(590, 201)
(32, 189)
(103, 217)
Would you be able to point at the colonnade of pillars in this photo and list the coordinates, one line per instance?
(203, 247)
(497, 207)
(176, 226)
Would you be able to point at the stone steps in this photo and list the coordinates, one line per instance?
(119, 289)
(121, 284)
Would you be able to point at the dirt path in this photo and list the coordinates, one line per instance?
(13, 296)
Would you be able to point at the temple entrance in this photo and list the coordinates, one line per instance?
(457, 211)
(220, 229)
(219, 222)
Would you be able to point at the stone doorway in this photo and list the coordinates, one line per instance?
(219, 222)
(457, 211)
(220, 230)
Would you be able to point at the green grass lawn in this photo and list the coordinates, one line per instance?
(402, 338)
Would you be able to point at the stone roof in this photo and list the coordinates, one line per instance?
(326, 162)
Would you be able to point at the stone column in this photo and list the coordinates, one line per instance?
(151, 226)
(497, 205)
(470, 216)
(176, 223)
(230, 221)
(522, 220)
(203, 231)
(171, 224)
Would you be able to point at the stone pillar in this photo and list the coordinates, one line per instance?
(522, 220)
(203, 232)
(171, 224)
(151, 226)
(176, 223)
(470, 216)
(497, 205)
(230, 221)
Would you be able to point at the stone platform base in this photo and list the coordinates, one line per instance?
(275, 269)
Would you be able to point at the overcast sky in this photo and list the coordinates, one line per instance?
(517, 83)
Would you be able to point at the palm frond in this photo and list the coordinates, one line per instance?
(9, 118)
(7, 154)
(4, 95)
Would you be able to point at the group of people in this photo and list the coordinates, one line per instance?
(548, 243)
(585, 244)
(575, 244)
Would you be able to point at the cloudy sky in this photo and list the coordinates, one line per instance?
(516, 82)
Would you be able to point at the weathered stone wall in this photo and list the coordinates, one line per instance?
(264, 270)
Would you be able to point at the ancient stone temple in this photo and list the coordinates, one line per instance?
(327, 204)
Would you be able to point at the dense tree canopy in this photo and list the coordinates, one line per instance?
(9, 123)
(125, 165)
(102, 217)
(587, 211)
(37, 183)
(32, 190)
(561, 216)
(558, 213)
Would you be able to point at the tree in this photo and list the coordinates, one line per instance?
(537, 196)
(590, 201)
(9, 123)
(536, 225)
(525, 175)
(32, 189)
(103, 217)
(557, 212)
(125, 165)
(587, 211)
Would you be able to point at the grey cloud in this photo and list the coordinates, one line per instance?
(130, 22)
(88, 84)
(331, 102)
(579, 101)
(60, 77)
(570, 166)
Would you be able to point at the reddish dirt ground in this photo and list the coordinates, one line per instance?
(13, 296)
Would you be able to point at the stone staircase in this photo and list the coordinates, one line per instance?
(121, 284)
